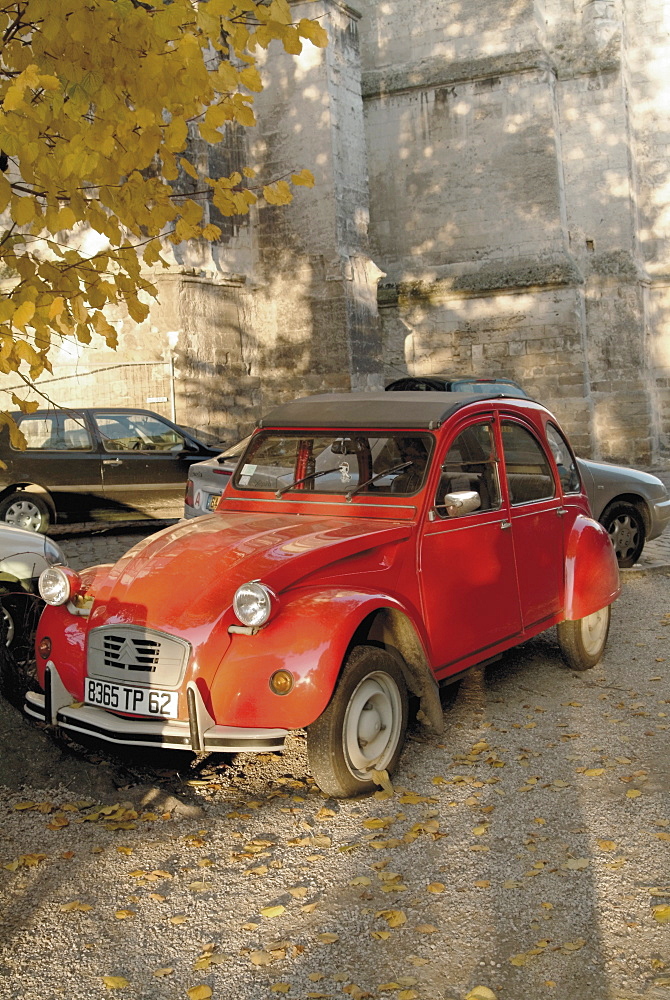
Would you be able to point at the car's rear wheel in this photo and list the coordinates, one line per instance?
(582, 642)
(19, 615)
(625, 525)
(25, 510)
(363, 728)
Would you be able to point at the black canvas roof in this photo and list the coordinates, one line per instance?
(379, 410)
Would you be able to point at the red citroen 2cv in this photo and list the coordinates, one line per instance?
(369, 546)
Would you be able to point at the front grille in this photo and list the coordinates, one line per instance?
(130, 654)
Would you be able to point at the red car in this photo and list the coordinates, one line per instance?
(369, 547)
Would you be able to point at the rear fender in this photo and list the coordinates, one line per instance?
(592, 574)
(310, 637)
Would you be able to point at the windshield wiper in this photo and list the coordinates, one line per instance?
(305, 479)
(378, 475)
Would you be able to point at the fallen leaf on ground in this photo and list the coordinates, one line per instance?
(201, 992)
(272, 911)
(327, 938)
(394, 918)
(661, 913)
(115, 982)
(75, 905)
(160, 973)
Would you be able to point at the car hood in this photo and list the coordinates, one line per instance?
(603, 472)
(185, 577)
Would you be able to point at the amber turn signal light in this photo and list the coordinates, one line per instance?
(281, 682)
(44, 647)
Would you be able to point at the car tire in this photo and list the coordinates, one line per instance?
(625, 525)
(363, 728)
(582, 642)
(19, 615)
(26, 510)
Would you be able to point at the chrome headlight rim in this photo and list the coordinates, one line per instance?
(54, 586)
(253, 604)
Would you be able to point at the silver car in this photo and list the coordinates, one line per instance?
(23, 556)
(633, 506)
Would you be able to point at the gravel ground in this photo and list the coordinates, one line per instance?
(526, 851)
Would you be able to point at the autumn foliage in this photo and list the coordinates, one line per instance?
(96, 101)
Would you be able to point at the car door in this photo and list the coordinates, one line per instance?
(466, 563)
(145, 462)
(62, 456)
(536, 510)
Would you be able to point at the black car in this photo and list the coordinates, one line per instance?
(461, 383)
(96, 464)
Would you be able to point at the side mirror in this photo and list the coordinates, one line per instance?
(461, 503)
(189, 448)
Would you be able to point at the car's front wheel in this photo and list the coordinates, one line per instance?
(582, 642)
(625, 525)
(19, 615)
(25, 510)
(363, 728)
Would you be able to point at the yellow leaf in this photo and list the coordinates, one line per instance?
(23, 315)
(426, 929)
(272, 911)
(201, 992)
(380, 935)
(313, 31)
(280, 987)
(633, 793)
(661, 913)
(115, 982)
(260, 958)
(607, 845)
(360, 880)
(179, 918)
(436, 887)
(481, 993)
(124, 914)
(305, 178)
(394, 918)
(593, 772)
(483, 884)
(161, 973)
(75, 905)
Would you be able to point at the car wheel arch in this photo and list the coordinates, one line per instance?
(28, 487)
(392, 630)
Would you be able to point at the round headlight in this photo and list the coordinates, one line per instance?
(252, 604)
(55, 585)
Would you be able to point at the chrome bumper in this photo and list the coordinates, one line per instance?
(198, 734)
(659, 512)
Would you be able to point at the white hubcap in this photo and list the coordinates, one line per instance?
(594, 631)
(24, 514)
(372, 724)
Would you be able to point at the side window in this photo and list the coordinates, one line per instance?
(137, 432)
(75, 435)
(470, 467)
(41, 433)
(567, 468)
(529, 475)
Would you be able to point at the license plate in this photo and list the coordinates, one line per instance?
(133, 700)
(213, 502)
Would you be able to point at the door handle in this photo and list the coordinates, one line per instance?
(560, 511)
(505, 524)
(112, 461)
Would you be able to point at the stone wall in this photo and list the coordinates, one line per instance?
(500, 168)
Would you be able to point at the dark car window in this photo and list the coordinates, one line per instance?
(471, 464)
(567, 467)
(137, 432)
(529, 475)
(55, 432)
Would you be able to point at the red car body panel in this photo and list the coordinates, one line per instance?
(461, 590)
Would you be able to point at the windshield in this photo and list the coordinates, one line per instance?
(295, 462)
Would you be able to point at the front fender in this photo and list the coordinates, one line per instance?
(309, 637)
(592, 574)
